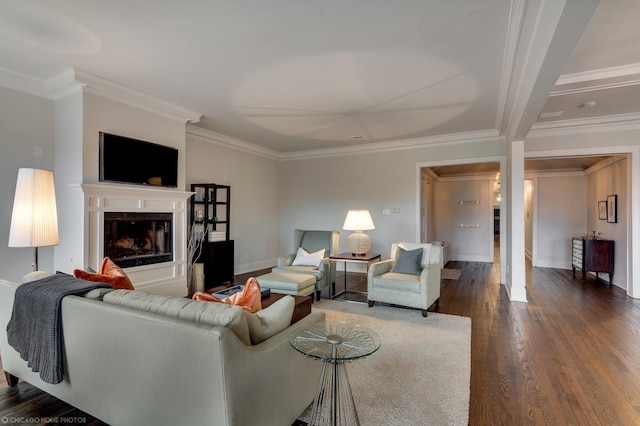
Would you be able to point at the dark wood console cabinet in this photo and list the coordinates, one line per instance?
(594, 256)
(217, 257)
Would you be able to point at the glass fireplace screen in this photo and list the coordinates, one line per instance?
(134, 239)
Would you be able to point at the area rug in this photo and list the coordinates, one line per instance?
(421, 373)
(450, 274)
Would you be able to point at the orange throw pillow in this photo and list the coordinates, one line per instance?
(109, 273)
(248, 299)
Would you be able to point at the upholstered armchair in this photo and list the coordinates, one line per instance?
(389, 282)
(311, 242)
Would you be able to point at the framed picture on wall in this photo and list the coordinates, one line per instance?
(612, 209)
(602, 210)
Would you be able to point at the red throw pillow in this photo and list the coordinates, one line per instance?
(248, 299)
(109, 273)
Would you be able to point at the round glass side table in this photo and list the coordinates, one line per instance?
(334, 343)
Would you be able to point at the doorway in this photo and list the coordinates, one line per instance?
(459, 205)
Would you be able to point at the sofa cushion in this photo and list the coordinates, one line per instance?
(407, 261)
(304, 258)
(214, 314)
(270, 321)
(307, 270)
(98, 293)
(393, 281)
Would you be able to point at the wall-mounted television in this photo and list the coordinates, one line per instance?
(127, 160)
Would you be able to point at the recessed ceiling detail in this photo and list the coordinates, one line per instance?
(45, 29)
(378, 94)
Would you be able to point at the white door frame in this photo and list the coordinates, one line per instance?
(502, 159)
(633, 199)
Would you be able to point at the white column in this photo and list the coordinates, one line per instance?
(516, 273)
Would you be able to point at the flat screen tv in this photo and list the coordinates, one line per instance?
(127, 160)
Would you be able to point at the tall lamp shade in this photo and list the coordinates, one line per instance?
(34, 221)
(358, 243)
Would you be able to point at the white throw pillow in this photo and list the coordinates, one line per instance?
(271, 320)
(426, 251)
(303, 258)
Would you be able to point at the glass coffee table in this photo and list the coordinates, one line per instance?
(335, 343)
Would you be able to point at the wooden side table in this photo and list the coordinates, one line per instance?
(351, 258)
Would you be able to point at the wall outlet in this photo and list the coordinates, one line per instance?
(386, 211)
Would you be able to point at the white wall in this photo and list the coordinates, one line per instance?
(601, 182)
(26, 121)
(70, 253)
(316, 193)
(528, 218)
(561, 213)
(255, 198)
(79, 120)
(468, 226)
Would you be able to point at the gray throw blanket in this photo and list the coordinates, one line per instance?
(34, 329)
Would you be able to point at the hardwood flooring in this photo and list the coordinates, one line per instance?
(570, 356)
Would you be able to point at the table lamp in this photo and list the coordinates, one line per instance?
(358, 243)
(34, 221)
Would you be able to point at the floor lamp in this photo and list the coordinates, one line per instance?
(34, 221)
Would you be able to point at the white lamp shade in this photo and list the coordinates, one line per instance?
(34, 221)
(358, 220)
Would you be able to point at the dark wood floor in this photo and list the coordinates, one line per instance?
(570, 356)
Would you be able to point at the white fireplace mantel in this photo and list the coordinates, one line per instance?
(168, 278)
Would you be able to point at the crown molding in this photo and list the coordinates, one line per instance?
(117, 92)
(241, 145)
(230, 142)
(395, 145)
(586, 89)
(607, 123)
(473, 177)
(73, 81)
(613, 72)
(605, 163)
(23, 83)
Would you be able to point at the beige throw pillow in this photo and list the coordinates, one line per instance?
(271, 320)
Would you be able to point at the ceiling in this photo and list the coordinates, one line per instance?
(292, 76)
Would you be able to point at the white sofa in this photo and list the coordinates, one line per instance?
(127, 366)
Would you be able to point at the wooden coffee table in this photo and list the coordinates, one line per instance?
(301, 310)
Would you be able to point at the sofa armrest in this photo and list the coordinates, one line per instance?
(257, 377)
(379, 268)
(430, 281)
(285, 260)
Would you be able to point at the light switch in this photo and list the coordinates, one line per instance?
(38, 152)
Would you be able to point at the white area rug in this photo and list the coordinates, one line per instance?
(421, 373)
(450, 274)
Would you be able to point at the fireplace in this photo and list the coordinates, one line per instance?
(158, 268)
(138, 238)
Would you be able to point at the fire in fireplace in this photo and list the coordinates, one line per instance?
(134, 239)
